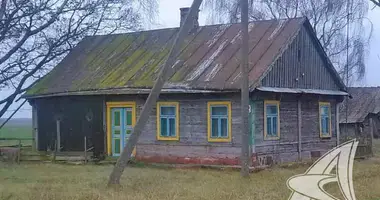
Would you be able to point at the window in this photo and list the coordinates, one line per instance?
(324, 119)
(219, 121)
(167, 121)
(271, 120)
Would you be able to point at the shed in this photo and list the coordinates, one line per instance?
(361, 119)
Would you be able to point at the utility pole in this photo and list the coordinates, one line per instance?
(245, 154)
(164, 74)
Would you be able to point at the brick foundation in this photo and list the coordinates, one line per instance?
(192, 160)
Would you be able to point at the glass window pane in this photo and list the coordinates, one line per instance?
(325, 110)
(164, 128)
(214, 127)
(117, 145)
(116, 118)
(323, 125)
(274, 127)
(271, 110)
(327, 125)
(128, 132)
(129, 117)
(224, 127)
(269, 126)
(219, 110)
(116, 132)
(167, 110)
(172, 127)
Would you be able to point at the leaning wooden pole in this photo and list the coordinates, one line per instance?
(245, 154)
(166, 70)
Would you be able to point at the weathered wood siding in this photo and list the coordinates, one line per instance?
(73, 126)
(193, 146)
(285, 149)
(362, 132)
(301, 66)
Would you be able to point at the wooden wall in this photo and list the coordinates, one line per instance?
(301, 66)
(286, 148)
(192, 147)
(73, 123)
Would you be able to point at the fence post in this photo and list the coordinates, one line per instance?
(371, 134)
(55, 150)
(85, 149)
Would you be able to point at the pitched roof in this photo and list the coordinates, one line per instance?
(209, 60)
(365, 100)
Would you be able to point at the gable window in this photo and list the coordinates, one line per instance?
(219, 121)
(271, 119)
(324, 119)
(167, 121)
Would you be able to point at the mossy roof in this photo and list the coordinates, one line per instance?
(209, 59)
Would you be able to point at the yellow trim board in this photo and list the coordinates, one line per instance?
(110, 105)
(224, 103)
(277, 103)
(158, 135)
(320, 122)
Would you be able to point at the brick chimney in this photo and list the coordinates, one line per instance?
(184, 12)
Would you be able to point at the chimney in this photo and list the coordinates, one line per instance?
(184, 12)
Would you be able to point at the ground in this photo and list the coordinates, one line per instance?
(46, 181)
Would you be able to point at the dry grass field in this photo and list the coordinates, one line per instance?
(79, 182)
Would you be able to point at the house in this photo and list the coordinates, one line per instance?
(99, 88)
(361, 119)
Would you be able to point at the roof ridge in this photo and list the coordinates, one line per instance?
(210, 25)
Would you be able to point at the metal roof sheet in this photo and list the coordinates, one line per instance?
(209, 58)
(365, 100)
(302, 91)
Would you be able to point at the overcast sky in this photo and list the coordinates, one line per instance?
(169, 16)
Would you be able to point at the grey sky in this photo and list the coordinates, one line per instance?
(169, 16)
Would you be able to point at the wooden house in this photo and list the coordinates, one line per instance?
(99, 88)
(361, 119)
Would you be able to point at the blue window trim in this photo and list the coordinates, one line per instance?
(325, 118)
(168, 117)
(175, 117)
(219, 118)
(272, 117)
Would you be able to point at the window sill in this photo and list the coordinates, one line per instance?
(219, 140)
(168, 139)
(268, 138)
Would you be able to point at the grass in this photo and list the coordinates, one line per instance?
(77, 182)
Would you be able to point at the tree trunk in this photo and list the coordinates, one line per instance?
(245, 154)
(117, 172)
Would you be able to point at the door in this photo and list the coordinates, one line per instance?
(121, 128)
(116, 131)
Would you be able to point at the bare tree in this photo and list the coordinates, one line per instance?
(376, 2)
(36, 34)
(327, 17)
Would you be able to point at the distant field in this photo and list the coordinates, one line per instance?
(16, 128)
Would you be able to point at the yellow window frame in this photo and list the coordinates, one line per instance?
(229, 121)
(111, 105)
(266, 136)
(320, 119)
(163, 138)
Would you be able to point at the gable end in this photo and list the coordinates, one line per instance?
(303, 65)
